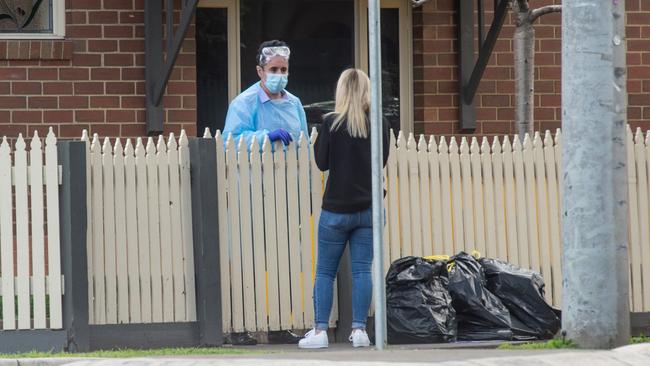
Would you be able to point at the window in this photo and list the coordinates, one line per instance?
(35, 19)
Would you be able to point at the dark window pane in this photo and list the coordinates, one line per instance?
(320, 34)
(390, 66)
(211, 68)
(26, 16)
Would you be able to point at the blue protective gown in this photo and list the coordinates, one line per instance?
(252, 114)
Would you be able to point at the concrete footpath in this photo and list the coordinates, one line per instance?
(395, 356)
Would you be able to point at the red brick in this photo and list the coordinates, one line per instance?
(131, 45)
(5, 116)
(104, 102)
(43, 102)
(85, 59)
(27, 117)
(118, 4)
(105, 74)
(133, 130)
(437, 46)
(106, 129)
(102, 45)
(181, 87)
(13, 73)
(74, 73)
(125, 59)
(551, 100)
(89, 88)
(84, 31)
(487, 86)
(506, 114)
(639, 99)
(181, 115)
(13, 102)
(437, 73)
(43, 73)
(83, 4)
(135, 73)
(102, 17)
(486, 114)
(57, 116)
(89, 116)
(634, 112)
(639, 72)
(12, 130)
(72, 130)
(73, 102)
(75, 17)
(132, 17)
(495, 101)
(550, 73)
(189, 102)
(189, 73)
(638, 18)
(505, 86)
(5, 87)
(134, 102)
(120, 87)
(139, 59)
(121, 116)
(57, 88)
(634, 86)
(118, 31)
(26, 88)
(501, 128)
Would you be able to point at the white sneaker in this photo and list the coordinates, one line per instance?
(359, 338)
(313, 340)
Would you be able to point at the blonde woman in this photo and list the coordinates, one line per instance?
(343, 148)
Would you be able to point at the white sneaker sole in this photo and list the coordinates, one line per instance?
(313, 346)
(357, 345)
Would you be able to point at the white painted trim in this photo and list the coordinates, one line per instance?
(58, 26)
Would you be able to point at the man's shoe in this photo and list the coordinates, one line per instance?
(359, 338)
(313, 340)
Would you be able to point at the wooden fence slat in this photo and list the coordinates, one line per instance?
(235, 236)
(458, 226)
(273, 295)
(22, 234)
(248, 277)
(437, 244)
(109, 233)
(258, 237)
(499, 199)
(510, 202)
(7, 238)
(404, 196)
(545, 248)
(132, 249)
(166, 253)
(489, 212)
(293, 211)
(121, 260)
(178, 249)
(531, 204)
(414, 197)
(392, 209)
(53, 241)
(425, 196)
(467, 203)
(154, 233)
(305, 231)
(280, 170)
(520, 190)
(644, 217)
(98, 232)
(186, 220)
(447, 208)
(38, 234)
(477, 190)
(224, 227)
(89, 230)
(636, 302)
(645, 301)
(143, 220)
(554, 219)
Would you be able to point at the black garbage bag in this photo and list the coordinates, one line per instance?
(522, 291)
(480, 314)
(418, 304)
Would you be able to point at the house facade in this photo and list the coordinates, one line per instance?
(80, 64)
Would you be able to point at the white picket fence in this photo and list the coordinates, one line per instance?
(502, 199)
(31, 282)
(140, 249)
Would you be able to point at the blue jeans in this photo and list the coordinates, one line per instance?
(334, 230)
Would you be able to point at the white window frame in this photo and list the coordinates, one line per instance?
(58, 25)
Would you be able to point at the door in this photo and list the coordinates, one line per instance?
(217, 61)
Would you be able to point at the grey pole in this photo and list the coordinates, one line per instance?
(595, 197)
(379, 288)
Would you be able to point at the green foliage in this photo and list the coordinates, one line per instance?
(557, 343)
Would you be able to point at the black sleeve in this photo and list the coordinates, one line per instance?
(385, 140)
(322, 146)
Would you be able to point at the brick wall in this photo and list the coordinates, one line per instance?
(436, 74)
(94, 79)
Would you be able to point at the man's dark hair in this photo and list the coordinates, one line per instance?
(259, 60)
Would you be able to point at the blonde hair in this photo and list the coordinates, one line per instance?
(352, 102)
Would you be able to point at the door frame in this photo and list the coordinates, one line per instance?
(405, 52)
(234, 66)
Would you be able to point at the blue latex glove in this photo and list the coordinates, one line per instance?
(281, 134)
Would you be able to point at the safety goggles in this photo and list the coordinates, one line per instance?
(269, 52)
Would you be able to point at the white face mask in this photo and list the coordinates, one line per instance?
(276, 83)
